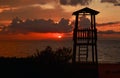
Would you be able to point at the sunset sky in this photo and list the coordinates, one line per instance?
(50, 19)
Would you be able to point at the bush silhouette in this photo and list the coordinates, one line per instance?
(49, 56)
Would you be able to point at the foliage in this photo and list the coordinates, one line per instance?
(49, 56)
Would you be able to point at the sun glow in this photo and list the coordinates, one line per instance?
(59, 36)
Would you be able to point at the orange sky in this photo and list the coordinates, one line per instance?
(108, 19)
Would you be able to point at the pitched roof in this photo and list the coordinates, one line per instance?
(86, 10)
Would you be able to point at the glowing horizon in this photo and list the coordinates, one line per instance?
(108, 21)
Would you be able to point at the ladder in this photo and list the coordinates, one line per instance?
(83, 53)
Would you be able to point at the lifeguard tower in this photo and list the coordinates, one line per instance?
(85, 39)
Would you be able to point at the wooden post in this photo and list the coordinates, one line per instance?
(95, 32)
(92, 25)
(75, 39)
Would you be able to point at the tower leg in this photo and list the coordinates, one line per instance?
(96, 56)
(74, 53)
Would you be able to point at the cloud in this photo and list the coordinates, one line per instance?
(115, 2)
(108, 23)
(108, 32)
(35, 11)
(75, 2)
(110, 1)
(26, 8)
(38, 26)
(14, 3)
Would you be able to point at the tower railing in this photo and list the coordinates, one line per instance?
(86, 36)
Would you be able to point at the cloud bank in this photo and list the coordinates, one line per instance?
(14, 3)
(108, 32)
(115, 2)
(38, 26)
(108, 23)
(75, 2)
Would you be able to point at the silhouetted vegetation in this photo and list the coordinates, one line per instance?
(49, 56)
(46, 56)
(46, 63)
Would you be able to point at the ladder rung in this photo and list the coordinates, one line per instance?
(83, 58)
(83, 50)
(85, 46)
(83, 54)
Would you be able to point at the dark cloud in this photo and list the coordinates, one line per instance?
(75, 2)
(115, 2)
(13, 3)
(6, 3)
(39, 26)
(108, 32)
(109, 23)
(32, 12)
(110, 1)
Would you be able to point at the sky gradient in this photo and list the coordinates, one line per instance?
(48, 19)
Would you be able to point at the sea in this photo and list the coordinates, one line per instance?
(108, 50)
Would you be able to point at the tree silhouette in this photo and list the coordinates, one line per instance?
(49, 56)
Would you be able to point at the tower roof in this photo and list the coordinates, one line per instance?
(86, 10)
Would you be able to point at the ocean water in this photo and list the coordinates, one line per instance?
(108, 50)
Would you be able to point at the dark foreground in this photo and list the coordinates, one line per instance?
(28, 69)
(25, 68)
